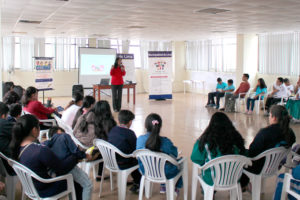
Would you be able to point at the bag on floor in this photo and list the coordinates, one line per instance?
(230, 105)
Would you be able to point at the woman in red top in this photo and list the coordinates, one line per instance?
(117, 72)
(33, 106)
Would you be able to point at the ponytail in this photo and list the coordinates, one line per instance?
(283, 119)
(153, 125)
(20, 131)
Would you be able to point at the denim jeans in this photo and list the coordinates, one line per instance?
(278, 191)
(252, 102)
(83, 180)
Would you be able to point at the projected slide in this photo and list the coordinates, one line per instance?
(92, 64)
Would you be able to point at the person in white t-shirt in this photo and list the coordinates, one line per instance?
(290, 88)
(297, 89)
(279, 92)
(71, 110)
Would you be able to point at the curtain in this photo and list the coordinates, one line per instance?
(8, 53)
(279, 53)
(27, 53)
(152, 46)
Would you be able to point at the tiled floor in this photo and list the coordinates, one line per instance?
(184, 119)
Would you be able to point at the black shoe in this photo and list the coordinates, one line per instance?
(98, 178)
(135, 188)
(222, 109)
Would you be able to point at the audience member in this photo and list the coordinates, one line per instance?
(63, 146)
(260, 91)
(88, 103)
(11, 97)
(7, 86)
(278, 133)
(219, 88)
(290, 88)
(154, 142)
(15, 111)
(297, 89)
(219, 138)
(125, 140)
(71, 110)
(231, 97)
(19, 90)
(279, 92)
(229, 88)
(33, 106)
(2, 186)
(39, 158)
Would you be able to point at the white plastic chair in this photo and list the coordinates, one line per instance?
(85, 166)
(273, 157)
(108, 152)
(226, 172)
(241, 100)
(292, 160)
(154, 167)
(189, 82)
(10, 181)
(26, 177)
(286, 188)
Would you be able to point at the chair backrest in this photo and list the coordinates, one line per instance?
(2, 166)
(108, 153)
(226, 170)
(287, 187)
(273, 157)
(62, 124)
(154, 164)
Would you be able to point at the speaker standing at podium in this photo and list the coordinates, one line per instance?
(117, 72)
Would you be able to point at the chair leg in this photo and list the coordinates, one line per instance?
(142, 183)
(111, 181)
(194, 182)
(148, 189)
(208, 193)
(185, 180)
(122, 183)
(256, 187)
(239, 192)
(101, 182)
(10, 182)
(170, 189)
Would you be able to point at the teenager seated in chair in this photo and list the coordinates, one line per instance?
(219, 88)
(19, 90)
(15, 111)
(7, 86)
(87, 104)
(11, 97)
(95, 124)
(231, 97)
(260, 89)
(219, 138)
(125, 140)
(290, 88)
(277, 134)
(229, 88)
(279, 92)
(63, 146)
(154, 142)
(72, 108)
(34, 107)
(39, 158)
(297, 89)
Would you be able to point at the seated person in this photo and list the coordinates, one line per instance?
(154, 142)
(290, 88)
(295, 185)
(219, 138)
(7, 86)
(297, 89)
(71, 110)
(10, 98)
(39, 158)
(229, 88)
(15, 111)
(277, 134)
(125, 140)
(33, 106)
(63, 146)
(220, 87)
(279, 92)
(88, 103)
(260, 89)
(19, 90)
(230, 98)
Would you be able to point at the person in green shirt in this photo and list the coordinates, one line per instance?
(219, 138)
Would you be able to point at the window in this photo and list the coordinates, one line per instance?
(17, 61)
(116, 44)
(217, 55)
(135, 48)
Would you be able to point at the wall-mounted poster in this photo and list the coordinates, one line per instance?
(160, 74)
(43, 73)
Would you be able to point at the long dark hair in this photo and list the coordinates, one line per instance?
(262, 83)
(103, 121)
(153, 124)
(11, 97)
(116, 62)
(7, 86)
(88, 101)
(283, 119)
(76, 98)
(28, 93)
(222, 135)
(20, 131)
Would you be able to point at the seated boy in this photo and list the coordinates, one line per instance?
(62, 145)
(230, 88)
(125, 140)
(219, 88)
(15, 111)
(289, 86)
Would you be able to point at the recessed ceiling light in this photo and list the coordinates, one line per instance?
(50, 28)
(211, 10)
(29, 21)
(62, 0)
(97, 35)
(136, 27)
(219, 31)
(19, 32)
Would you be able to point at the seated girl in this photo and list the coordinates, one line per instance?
(87, 104)
(39, 158)
(219, 138)
(154, 142)
(260, 89)
(277, 134)
(71, 110)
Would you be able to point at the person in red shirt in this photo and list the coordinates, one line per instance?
(33, 106)
(117, 72)
(243, 88)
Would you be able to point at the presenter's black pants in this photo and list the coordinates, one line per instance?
(117, 96)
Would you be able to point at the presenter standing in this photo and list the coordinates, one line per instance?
(117, 72)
